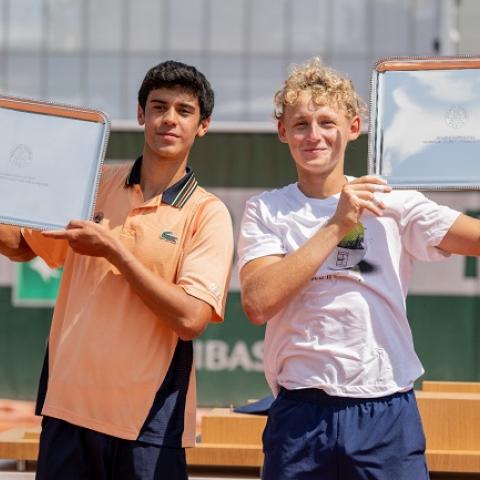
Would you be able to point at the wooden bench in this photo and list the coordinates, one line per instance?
(460, 387)
(452, 427)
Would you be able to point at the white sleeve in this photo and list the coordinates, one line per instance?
(424, 224)
(258, 235)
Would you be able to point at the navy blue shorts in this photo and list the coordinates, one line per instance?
(311, 435)
(68, 452)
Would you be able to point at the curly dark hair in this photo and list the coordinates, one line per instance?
(171, 74)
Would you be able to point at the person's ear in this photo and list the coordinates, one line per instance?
(140, 115)
(282, 131)
(203, 126)
(355, 127)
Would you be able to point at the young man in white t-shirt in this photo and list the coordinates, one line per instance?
(325, 263)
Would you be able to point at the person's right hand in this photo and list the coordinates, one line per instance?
(356, 196)
(87, 238)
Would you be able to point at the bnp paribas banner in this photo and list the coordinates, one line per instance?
(443, 306)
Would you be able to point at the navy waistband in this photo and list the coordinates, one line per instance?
(317, 395)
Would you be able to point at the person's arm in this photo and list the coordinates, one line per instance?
(463, 237)
(186, 313)
(269, 283)
(13, 245)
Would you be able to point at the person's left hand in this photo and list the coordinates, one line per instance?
(86, 238)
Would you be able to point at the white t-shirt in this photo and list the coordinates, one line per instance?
(346, 332)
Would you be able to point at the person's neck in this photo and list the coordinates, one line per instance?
(158, 174)
(317, 186)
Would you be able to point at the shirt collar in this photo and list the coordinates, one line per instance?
(177, 194)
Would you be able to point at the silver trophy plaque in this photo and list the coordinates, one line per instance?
(50, 162)
(424, 129)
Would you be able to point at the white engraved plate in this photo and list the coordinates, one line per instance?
(425, 123)
(50, 161)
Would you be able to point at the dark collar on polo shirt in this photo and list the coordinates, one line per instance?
(177, 194)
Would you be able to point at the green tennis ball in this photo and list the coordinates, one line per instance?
(354, 237)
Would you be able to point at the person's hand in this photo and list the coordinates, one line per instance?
(86, 238)
(356, 196)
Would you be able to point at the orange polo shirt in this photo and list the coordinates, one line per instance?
(114, 365)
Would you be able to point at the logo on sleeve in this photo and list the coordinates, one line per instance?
(213, 287)
(169, 237)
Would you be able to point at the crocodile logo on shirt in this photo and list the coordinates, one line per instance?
(169, 237)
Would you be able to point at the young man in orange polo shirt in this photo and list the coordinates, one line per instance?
(118, 386)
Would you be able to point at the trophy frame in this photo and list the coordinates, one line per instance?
(51, 156)
(424, 130)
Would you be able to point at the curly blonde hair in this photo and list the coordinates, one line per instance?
(327, 86)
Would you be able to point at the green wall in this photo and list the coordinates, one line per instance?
(23, 335)
(248, 160)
